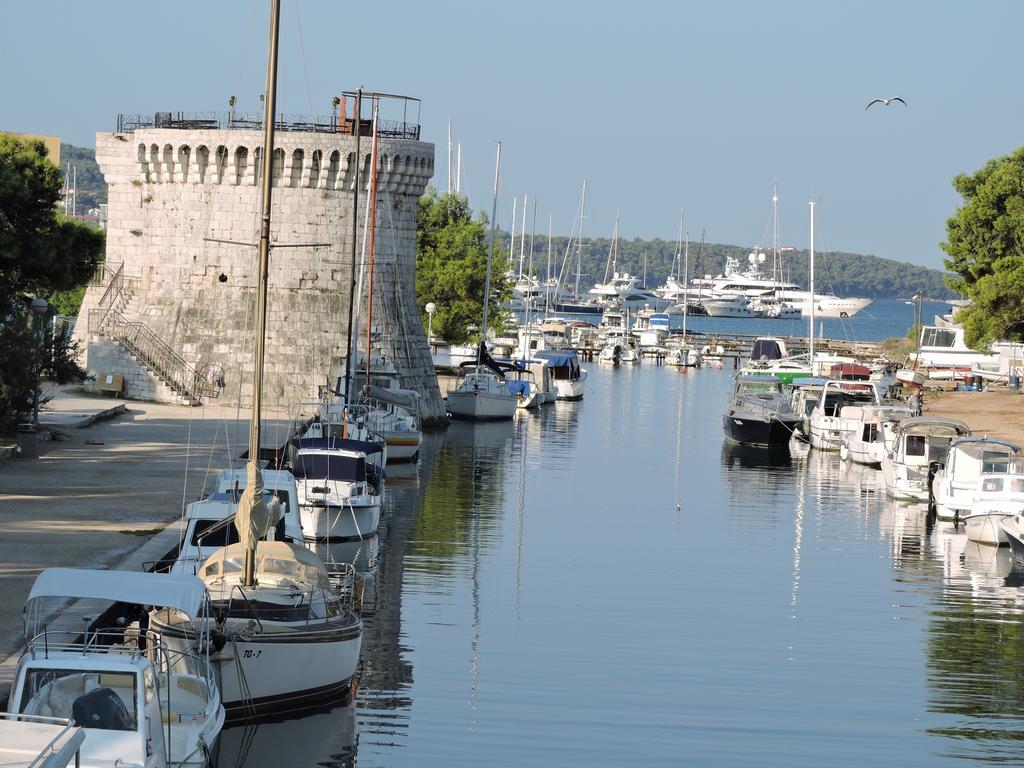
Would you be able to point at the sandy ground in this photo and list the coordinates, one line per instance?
(97, 494)
(991, 414)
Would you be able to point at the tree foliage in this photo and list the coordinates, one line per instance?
(985, 244)
(451, 264)
(40, 253)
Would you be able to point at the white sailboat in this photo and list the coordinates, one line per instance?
(289, 637)
(483, 394)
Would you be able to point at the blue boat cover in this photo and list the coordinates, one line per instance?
(337, 444)
(518, 387)
(326, 466)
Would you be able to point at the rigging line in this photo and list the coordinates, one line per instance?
(305, 62)
(184, 485)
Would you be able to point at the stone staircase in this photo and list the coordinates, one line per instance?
(152, 370)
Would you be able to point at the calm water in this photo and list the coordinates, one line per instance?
(607, 583)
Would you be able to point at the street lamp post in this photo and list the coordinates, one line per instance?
(39, 309)
(431, 309)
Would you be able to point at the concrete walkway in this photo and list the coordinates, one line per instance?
(98, 494)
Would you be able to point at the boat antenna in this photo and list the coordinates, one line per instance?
(490, 256)
(263, 267)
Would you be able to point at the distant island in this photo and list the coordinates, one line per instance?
(845, 274)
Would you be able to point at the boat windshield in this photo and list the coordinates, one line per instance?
(104, 700)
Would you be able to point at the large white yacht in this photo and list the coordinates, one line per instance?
(752, 283)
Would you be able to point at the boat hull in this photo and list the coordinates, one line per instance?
(402, 445)
(987, 529)
(568, 389)
(333, 523)
(748, 431)
(481, 406)
(272, 673)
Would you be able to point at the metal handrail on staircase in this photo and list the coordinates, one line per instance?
(146, 345)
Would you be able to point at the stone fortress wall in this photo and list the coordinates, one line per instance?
(173, 193)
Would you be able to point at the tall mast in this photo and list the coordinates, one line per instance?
(676, 258)
(512, 242)
(810, 334)
(609, 265)
(686, 270)
(373, 233)
(490, 253)
(579, 242)
(776, 252)
(449, 155)
(458, 169)
(522, 237)
(547, 280)
(263, 266)
(529, 297)
(349, 362)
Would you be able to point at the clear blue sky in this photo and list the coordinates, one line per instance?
(658, 105)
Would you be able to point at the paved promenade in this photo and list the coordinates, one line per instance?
(98, 493)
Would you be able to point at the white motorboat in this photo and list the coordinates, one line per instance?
(919, 441)
(31, 741)
(529, 396)
(339, 488)
(611, 353)
(998, 498)
(630, 354)
(137, 702)
(833, 419)
(874, 436)
(759, 412)
(209, 522)
(804, 395)
(567, 376)
(956, 479)
(728, 306)
(683, 356)
(770, 357)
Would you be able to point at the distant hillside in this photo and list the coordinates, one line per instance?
(92, 190)
(845, 274)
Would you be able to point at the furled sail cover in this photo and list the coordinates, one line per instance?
(405, 398)
(255, 516)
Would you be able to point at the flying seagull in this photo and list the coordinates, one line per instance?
(886, 102)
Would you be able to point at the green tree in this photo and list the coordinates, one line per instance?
(40, 253)
(985, 244)
(451, 264)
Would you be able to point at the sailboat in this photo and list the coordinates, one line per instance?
(287, 635)
(683, 355)
(483, 394)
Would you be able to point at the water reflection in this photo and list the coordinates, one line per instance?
(322, 739)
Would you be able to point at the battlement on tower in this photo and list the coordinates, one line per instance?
(183, 211)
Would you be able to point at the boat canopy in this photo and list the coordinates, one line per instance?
(184, 592)
(330, 466)
(277, 558)
(810, 381)
(934, 425)
(519, 387)
(767, 349)
(561, 358)
(338, 444)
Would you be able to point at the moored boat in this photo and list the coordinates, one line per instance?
(759, 412)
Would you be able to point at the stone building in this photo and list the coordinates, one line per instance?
(172, 312)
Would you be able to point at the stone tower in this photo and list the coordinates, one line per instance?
(176, 300)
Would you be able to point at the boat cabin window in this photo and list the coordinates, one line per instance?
(93, 699)
(202, 536)
(992, 461)
(992, 485)
(916, 445)
(938, 337)
(870, 433)
(1017, 485)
